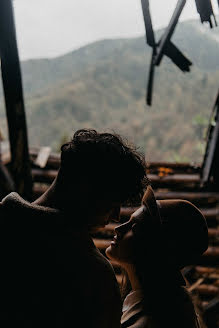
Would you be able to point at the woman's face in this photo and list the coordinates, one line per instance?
(122, 247)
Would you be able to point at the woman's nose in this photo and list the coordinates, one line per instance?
(121, 229)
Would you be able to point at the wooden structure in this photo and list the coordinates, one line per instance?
(14, 101)
(169, 181)
(209, 171)
(30, 172)
(165, 46)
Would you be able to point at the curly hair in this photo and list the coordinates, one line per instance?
(105, 162)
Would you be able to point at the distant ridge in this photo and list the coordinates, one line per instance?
(103, 85)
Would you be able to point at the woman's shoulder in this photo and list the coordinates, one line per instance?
(183, 315)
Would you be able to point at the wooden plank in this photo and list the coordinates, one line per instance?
(14, 101)
(196, 284)
(211, 158)
(214, 233)
(207, 290)
(42, 157)
(192, 196)
(6, 181)
(212, 252)
(53, 161)
(206, 270)
(46, 176)
(172, 179)
(175, 178)
(151, 166)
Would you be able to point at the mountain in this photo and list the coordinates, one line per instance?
(103, 86)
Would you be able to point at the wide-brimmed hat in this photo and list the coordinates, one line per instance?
(183, 228)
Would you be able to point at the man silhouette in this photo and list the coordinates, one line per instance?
(52, 275)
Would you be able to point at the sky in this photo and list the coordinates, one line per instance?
(49, 28)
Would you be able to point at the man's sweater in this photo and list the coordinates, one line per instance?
(51, 274)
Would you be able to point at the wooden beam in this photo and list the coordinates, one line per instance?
(211, 158)
(13, 92)
(207, 290)
(169, 31)
(6, 181)
(174, 179)
(42, 157)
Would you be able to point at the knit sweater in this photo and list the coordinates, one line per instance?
(51, 274)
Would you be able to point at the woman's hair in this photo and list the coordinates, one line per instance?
(112, 167)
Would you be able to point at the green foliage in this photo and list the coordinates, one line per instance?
(103, 86)
(200, 124)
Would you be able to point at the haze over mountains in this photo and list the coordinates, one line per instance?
(103, 86)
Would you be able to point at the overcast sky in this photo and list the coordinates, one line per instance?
(48, 28)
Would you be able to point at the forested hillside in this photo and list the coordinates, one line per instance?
(103, 86)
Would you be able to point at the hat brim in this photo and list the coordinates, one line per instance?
(149, 200)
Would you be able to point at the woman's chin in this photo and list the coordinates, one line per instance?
(108, 252)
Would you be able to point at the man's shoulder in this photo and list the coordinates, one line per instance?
(12, 202)
(101, 273)
(5, 207)
(101, 285)
(100, 260)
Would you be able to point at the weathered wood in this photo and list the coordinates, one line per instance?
(214, 233)
(207, 201)
(207, 290)
(13, 92)
(6, 158)
(42, 157)
(192, 196)
(181, 179)
(39, 189)
(45, 176)
(196, 284)
(6, 181)
(177, 167)
(206, 270)
(53, 161)
(211, 157)
(212, 252)
(216, 282)
(152, 167)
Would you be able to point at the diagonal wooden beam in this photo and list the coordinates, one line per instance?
(169, 31)
(14, 102)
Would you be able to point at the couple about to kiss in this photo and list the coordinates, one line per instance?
(52, 274)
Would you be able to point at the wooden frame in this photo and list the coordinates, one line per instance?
(12, 85)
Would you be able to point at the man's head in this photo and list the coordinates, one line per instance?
(99, 169)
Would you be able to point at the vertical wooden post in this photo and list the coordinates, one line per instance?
(211, 158)
(12, 84)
